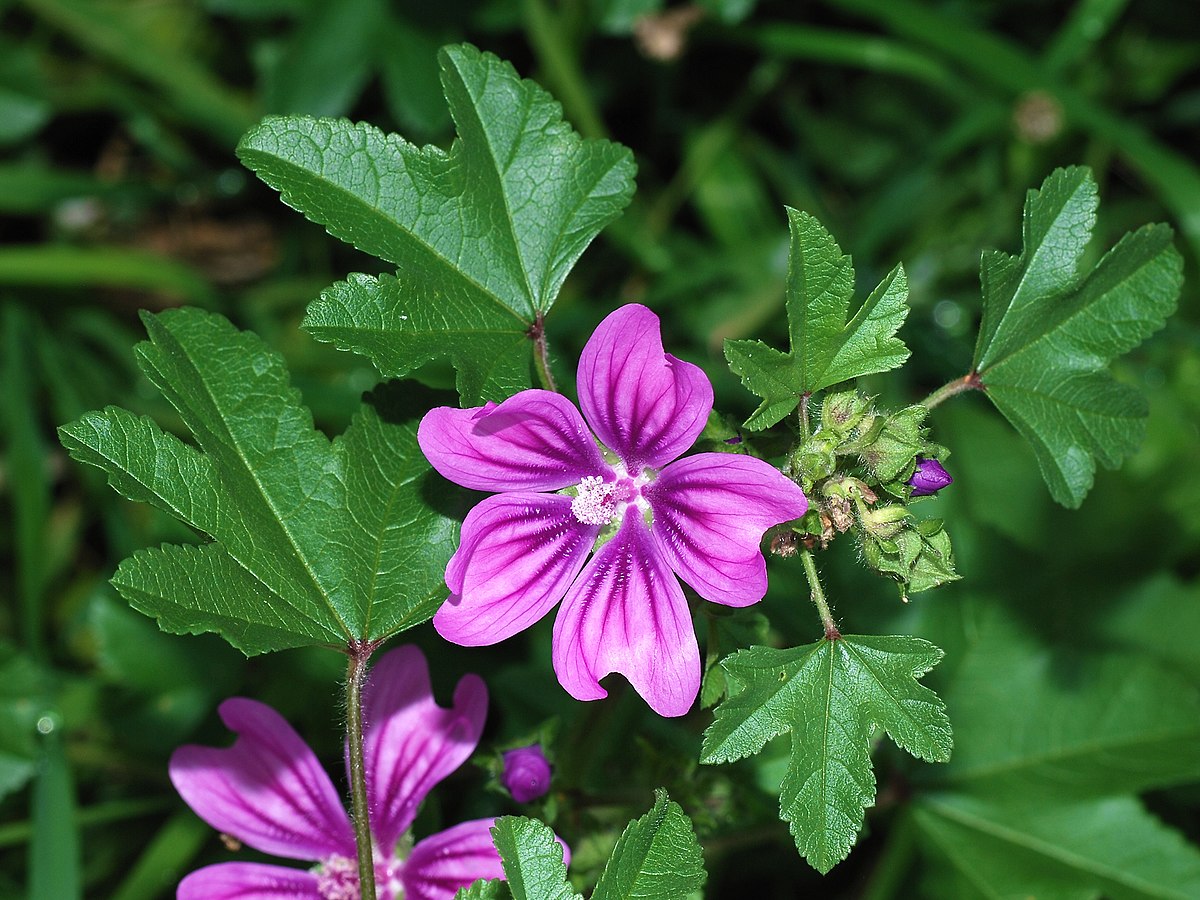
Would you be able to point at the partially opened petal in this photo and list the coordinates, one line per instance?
(444, 862)
(518, 555)
(534, 441)
(643, 403)
(627, 614)
(248, 881)
(411, 743)
(710, 513)
(268, 790)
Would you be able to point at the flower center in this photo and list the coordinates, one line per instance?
(596, 502)
(600, 502)
(337, 879)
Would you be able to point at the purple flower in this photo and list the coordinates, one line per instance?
(526, 773)
(929, 478)
(523, 550)
(270, 792)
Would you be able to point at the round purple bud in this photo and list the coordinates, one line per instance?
(929, 478)
(526, 773)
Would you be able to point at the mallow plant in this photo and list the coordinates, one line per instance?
(628, 513)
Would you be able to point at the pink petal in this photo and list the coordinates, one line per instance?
(710, 513)
(248, 881)
(534, 441)
(519, 554)
(268, 790)
(411, 743)
(627, 614)
(444, 862)
(641, 402)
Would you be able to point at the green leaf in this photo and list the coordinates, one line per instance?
(656, 857)
(389, 321)
(830, 695)
(1090, 848)
(728, 630)
(1050, 329)
(533, 860)
(483, 235)
(483, 889)
(1116, 723)
(54, 857)
(825, 348)
(314, 541)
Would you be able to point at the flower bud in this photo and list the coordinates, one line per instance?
(843, 413)
(526, 773)
(884, 522)
(929, 478)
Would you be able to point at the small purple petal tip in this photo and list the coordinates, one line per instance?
(929, 478)
(526, 773)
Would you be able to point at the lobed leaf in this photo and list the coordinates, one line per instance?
(483, 235)
(313, 541)
(830, 695)
(657, 857)
(825, 348)
(1050, 330)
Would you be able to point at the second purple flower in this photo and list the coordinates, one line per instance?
(523, 550)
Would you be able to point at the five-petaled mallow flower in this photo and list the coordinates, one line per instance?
(270, 792)
(526, 773)
(929, 477)
(649, 515)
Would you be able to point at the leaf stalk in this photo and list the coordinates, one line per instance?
(818, 596)
(969, 382)
(356, 676)
(541, 353)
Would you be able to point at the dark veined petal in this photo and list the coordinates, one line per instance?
(626, 613)
(268, 790)
(444, 862)
(409, 742)
(642, 403)
(518, 555)
(248, 881)
(710, 513)
(534, 441)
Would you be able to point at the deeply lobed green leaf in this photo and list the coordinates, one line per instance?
(825, 348)
(483, 235)
(1050, 330)
(830, 695)
(314, 541)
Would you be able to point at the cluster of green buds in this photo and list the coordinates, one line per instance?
(861, 468)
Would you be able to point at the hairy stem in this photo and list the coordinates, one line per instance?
(541, 353)
(969, 382)
(805, 426)
(818, 595)
(356, 675)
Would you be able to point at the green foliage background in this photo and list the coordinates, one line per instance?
(910, 130)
